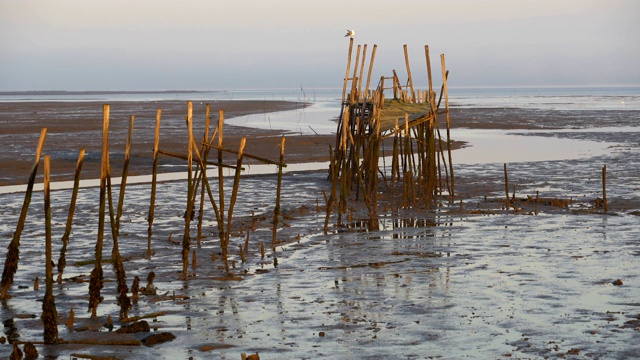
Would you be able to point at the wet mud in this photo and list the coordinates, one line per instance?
(468, 278)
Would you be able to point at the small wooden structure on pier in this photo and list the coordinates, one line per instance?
(367, 118)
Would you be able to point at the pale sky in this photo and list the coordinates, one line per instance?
(246, 44)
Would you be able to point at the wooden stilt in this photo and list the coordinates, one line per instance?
(13, 253)
(49, 313)
(72, 207)
(232, 202)
(186, 239)
(406, 60)
(154, 178)
(604, 188)
(276, 210)
(446, 103)
(96, 281)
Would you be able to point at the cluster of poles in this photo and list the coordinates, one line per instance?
(198, 183)
(418, 158)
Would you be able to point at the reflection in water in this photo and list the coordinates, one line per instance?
(11, 330)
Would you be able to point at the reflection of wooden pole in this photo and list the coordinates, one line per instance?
(406, 60)
(72, 207)
(604, 188)
(49, 313)
(154, 178)
(276, 210)
(13, 253)
(446, 104)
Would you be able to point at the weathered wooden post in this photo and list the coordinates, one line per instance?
(13, 253)
(154, 178)
(203, 169)
(72, 207)
(406, 60)
(446, 104)
(232, 202)
(220, 130)
(276, 210)
(49, 313)
(96, 281)
(373, 57)
(186, 239)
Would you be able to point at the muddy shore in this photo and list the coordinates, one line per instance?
(75, 125)
(468, 278)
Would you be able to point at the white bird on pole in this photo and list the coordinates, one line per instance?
(350, 33)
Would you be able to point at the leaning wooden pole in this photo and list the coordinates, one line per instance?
(186, 239)
(72, 207)
(203, 169)
(406, 60)
(13, 253)
(359, 87)
(373, 57)
(446, 105)
(125, 172)
(276, 210)
(154, 178)
(122, 288)
(232, 202)
(96, 281)
(49, 313)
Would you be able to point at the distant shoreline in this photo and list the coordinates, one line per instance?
(105, 92)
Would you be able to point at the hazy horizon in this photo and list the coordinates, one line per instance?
(144, 45)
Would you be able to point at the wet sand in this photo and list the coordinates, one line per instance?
(75, 125)
(468, 278)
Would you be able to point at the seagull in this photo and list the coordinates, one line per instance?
(350, 33)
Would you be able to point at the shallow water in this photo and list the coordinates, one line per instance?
(439, 283)
(428, 284)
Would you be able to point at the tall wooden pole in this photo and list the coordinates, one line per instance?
(154, 178)
(49, 313)
(232, 202)
(13, 253)
(359, 87)
(406, 60)
(221, 174)
(125, 172)
(186, 239)
(373, 57)
(96, 281)
(122, 288)
(446, 104)
(72, 207)
(207, 121)
(276, 210)
(346, 75)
